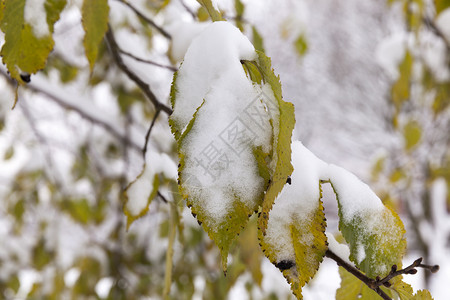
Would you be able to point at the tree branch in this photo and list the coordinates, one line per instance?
(147, 135)
(147, 61)
(375, 284)
(67, 105)
(146, 19)
(115, 51)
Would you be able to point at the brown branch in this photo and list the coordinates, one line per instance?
(147, 135)
(108, 127)
(146, 19)
(147, 61)
(375, 284)
(115, 51)
(189, 10)
(430, 23)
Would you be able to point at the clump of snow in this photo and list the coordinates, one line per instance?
(443, 23)
(297, 201)
(339, 249)
(182, 35)
(219, 162)
(355, 197)
(35, 16)
(140, 190)
(390, 53)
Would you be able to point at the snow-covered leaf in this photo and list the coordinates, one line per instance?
(374, 233)
(95, 15)
(140, 192)
(221, 121)
(283, 124)
(28, 39)
(295, 238)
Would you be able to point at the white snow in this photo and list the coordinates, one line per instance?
(337, 248)
(355, 197)
(182, 35)
(443, 23)
(36, 16)
(390, 53)
(140, 190)
(297, 201)
(219, 162)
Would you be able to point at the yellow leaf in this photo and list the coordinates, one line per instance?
(412, 134)
(400, 89)
(95, 15)
(354, 289)
(284, 123)
(213, 13)
(23, 52)
(422, 295)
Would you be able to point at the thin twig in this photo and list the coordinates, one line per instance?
(114, 48)
(189, 10)
(164, 199)
(375, 284)
(437, 31)
(147, 135)
(147, 61)
(108, 127)
(146, 19)
(366, 280)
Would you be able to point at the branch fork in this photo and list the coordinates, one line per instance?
(377, 283)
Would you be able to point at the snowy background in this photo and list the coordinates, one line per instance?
(81, 141)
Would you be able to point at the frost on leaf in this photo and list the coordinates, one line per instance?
(141, 191)
(374, 233)
(223, 124)
(296, 226)
(28, 40)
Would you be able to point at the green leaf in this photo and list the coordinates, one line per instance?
(221, 230)
(239, 8)
(213, 13)
(284, 123)
(376, 240)
(53, 8)
(403, 290)
(301, 45)
(79, 210)
(310, 244)
(23, 51)
(258, 41)
(412, 134)
(354, 289)
(41, 255)
(137, 189)
(441, 5)
(2, 9)
(422, 295)
(95, 15)
(400, 89)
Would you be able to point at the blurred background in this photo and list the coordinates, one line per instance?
(370, 81)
